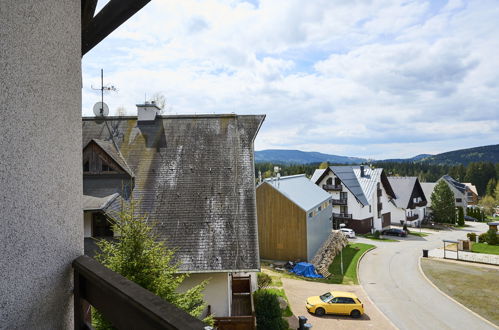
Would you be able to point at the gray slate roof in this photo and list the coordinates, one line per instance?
(317, 174)
(194, 176)
(403, 186)
(458, 185)
(300, 191)
(428, 188)
(92, 203)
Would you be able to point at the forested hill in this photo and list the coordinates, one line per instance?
(465, 156)
(281, 156)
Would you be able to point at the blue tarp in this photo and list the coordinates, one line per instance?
(306, 269)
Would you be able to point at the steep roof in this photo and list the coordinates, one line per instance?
(317, 174)
(92, 203)
(110, 149)
(458, 185)
(194, 177)
(471, 186)
(404, 186)
(300, 191)
(428, 188)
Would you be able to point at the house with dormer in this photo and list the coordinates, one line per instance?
(360, 196)
(194, 178)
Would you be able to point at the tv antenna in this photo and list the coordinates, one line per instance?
(101, 109)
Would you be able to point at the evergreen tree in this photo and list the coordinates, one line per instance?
(137, 255)
(491, 186)
(460, 218)
(442, 203)
(496, 192)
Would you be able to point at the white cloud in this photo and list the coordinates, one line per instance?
(360, 78)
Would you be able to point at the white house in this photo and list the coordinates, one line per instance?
(409, 206)
(459, 190)
(360, 196)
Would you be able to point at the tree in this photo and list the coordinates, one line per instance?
(491, 187)
(323, 165)
(460, 217)
(160, 100)
(496, 192)
(442, 203)
(488, 205)
(268, 311)
(140, 257)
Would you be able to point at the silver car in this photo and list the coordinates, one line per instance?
(348, 232)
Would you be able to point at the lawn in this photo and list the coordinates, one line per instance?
(280, 292)
(485, 248)
(351, 256)
(371, 236)
(475, 287)
(418, 234)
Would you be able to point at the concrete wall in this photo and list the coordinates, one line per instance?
(216, 292)
(41, 229)
(318, 230)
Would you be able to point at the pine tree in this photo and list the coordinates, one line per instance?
(140, 257)
(491, 186)
(460, 218)
(442, 203)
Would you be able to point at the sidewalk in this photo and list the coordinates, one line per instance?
(491, 259)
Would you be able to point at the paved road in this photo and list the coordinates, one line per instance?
(391, 277)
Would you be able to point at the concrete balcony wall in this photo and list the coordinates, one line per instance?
(41, 227)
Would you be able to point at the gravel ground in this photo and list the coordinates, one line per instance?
(298, 291)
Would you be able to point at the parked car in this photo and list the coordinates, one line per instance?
(335, 302)
(468, 218)
(394, 232)
(348, 232)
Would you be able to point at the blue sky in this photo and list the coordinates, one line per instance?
(376, 79)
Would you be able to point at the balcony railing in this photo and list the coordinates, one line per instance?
(332, 187)
(341, 201)
(122, 302)
(379, 192)
(420, 203)
(342, 215)
(380, 206)
(411, 217)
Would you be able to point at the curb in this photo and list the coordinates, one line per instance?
(368, 298)
(454, 300)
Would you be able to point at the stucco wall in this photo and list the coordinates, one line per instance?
(318, 230)
(41, 228)
(216, 292)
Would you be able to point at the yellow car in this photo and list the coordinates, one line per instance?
(336, 302)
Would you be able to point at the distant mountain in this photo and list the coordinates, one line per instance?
(302, 157)
(465, 156)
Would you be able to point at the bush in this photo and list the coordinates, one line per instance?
(482, 238)
(267, 311)
(460, 217)
(471, 237)
(405, 228)
(492, 238)
(263, 280)
(377, 234)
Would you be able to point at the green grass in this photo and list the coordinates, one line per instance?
(276, 281)
(371, 236)
(485, 248)
(286, 312)
(473, 286)
(351, 256)
(418, 234)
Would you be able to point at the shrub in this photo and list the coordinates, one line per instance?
(482, 238)
(460, 217)
(377, 234)
(263, 280)
(267, 311)
(492, 238)
(471, 237)
(405, 228)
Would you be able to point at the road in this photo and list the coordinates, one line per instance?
(391, 277)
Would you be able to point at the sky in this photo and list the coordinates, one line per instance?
(375, 79)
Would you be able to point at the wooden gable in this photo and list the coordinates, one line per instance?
(97, 161)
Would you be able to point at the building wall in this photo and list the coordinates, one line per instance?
(87, 224)
(318, 229)
(217, 292)
(41, 228)
(282, 228)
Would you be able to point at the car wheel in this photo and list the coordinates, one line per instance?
(355, 314)
(400, 235)
(320, 311)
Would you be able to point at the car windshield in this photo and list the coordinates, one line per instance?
(326, 297)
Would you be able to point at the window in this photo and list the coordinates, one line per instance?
(458, 200)
(101, 226)
(86, 166)
(311, 214)
(106, 168)
(347, 300)
(319, 208)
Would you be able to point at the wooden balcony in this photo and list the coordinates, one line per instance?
(340, 201)
(419, 204)
(124, 303)
(332, 187)
(411, 217)
(342, 216)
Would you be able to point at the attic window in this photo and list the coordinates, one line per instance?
(86, 166)
(106, 168)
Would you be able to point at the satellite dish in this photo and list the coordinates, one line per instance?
(101, 109)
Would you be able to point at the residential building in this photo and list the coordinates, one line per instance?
(294, 218)
(471, 194)
(409, 205)
(459, 190)
(360, 196)
(428, 188)
(194, 178)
